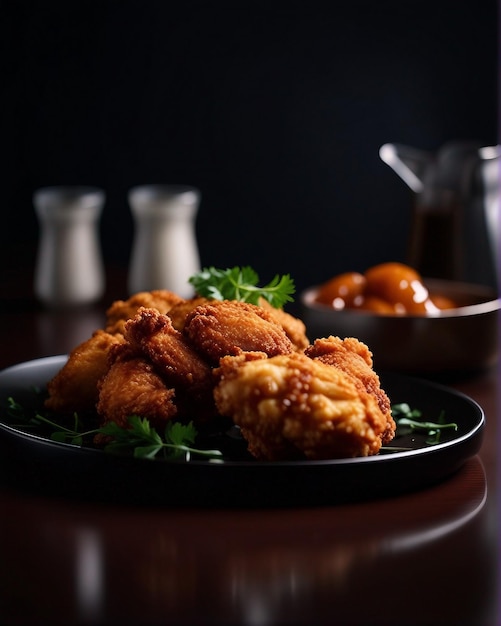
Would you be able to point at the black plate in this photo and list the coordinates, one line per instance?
(34, 462)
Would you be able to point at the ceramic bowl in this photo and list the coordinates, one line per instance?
(463, 339)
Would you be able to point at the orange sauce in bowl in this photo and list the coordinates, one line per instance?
(389, 289)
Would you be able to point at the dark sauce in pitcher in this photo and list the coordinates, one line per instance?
(434, 249)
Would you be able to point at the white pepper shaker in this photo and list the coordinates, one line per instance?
(69, 269)
(164, 250)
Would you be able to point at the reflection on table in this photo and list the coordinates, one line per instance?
(93, 563)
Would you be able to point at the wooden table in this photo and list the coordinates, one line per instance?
(424, 558)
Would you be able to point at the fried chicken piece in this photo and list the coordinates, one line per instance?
(294, 328)
(132, 387)
(228, 327)
(74, 387)
(152, 335)
(180, 310)
(355, 359)
(291, 406)
(122, 310)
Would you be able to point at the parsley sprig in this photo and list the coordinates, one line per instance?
(241, 283)
(138, 439)
(146, 443)
(59, 432)
(408, 419)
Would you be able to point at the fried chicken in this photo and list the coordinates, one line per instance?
(74, 387)
(229, 327)
(163, 357)
(293, 326)
(122, 310)
(132, 387)
(291, 406)
(180, 310)
(152, 335)
(355, 359)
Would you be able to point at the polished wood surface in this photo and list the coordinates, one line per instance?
(424, 558)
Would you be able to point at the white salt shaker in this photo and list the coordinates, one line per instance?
(164, 250)
(69, 269)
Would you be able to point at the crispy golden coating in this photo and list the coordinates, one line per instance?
(180, 310)
(122, 310)
(228, 327)
(152, 335)
(355, 359)
(291, 406)
(132, 387)
(293, 326)
(74, 387)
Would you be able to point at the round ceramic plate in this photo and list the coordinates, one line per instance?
(31, 460)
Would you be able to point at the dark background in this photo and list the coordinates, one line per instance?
(276, 111)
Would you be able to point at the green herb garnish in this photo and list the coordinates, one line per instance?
(407, 418)
(59, 432)
(145, 442)
(241, 283)
(140, 439)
